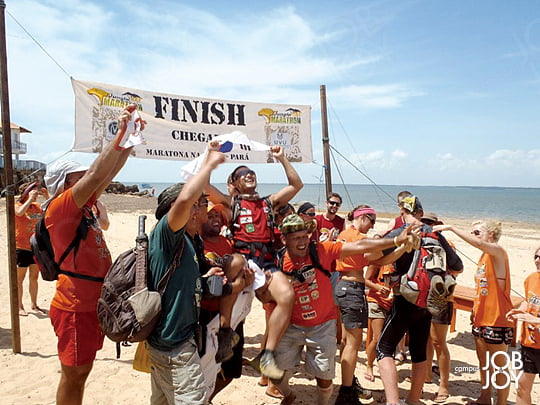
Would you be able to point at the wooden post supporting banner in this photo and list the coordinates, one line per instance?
(10, 187)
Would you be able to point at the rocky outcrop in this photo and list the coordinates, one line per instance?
(118, 188)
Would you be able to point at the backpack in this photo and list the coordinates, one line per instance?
(43, 251)
(315, 260)
(127, 311)
(428, 261)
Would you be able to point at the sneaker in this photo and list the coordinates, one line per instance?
(269, 367)
(449, 285)
(347, 396)
(227, 339)
(360, 391)
(437, 299)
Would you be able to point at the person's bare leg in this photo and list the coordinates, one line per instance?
(439, 333)
(376, 327)
(417, 383)
(33, 286)
(523, 395)
(500, 379)
(481, 349)
(71, 386)
(349, 355)
(278, 321)
(389, 377)
(21, 274)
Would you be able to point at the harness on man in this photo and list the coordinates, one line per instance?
(298, 274)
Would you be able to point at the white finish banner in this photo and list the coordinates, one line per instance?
(179, 127)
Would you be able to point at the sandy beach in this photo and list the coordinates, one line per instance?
(31, 377)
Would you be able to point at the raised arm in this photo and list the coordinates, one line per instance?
(180, 211)
(491, 248)
(373, 245)
(21, 209)
(295, 183)
(106, 166)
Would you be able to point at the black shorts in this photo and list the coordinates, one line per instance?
(351, 298)
(445, 316)
(531, 360)
(494, 335)
(403, 317)
(24, 258)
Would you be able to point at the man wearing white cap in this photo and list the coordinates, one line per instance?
(74, 189)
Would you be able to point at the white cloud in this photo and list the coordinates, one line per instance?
(377, 96)
(399, 154)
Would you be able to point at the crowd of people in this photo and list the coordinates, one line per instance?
(322, 284)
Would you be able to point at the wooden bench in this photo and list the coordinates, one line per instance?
(463, 300)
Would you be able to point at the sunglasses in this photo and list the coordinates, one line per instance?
(201, 203)
(242, 173)
(311, 214)
(536, 257)
(476, 232)
(371, 219)
(334, 203)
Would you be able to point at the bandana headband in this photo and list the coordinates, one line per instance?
(363, 211)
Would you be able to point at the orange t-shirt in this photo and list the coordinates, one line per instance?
(62, 218)
(314, 300)
(491, 303)
(530, 334)
(25, 225)
(379, 278)
(356, 262)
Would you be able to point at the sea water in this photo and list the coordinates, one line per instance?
(504, 203)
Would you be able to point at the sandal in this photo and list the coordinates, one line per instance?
(441, 398)
(400, 358)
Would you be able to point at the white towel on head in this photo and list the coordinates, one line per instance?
(56, 177)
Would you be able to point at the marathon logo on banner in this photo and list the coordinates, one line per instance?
(180, 127)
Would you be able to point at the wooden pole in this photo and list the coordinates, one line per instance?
(325, 142)
(10, 187)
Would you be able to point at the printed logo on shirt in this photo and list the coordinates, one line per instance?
(246, 220)
(245, 211)
(250, 228)
(304, 299)
(309, 315)
(315, 295)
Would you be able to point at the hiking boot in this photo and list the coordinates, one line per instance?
(269, 367)
(360, 391)
(437, 299)
(449, 284)
(227, 339)
(347, 396)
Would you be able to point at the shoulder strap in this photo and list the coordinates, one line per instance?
(314, 255)
(162, 284)
(270, 218)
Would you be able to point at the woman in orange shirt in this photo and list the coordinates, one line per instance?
(27, 213)
(529, 313)
(351, 298)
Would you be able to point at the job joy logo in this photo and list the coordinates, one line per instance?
(511, 369)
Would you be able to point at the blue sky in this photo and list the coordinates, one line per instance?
(419, 92)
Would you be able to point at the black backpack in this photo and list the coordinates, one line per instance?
(43, 251)
(127, 311)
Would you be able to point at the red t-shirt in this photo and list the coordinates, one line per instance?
(314, 300)
(93, 258)
(329, 230)
(25, 225)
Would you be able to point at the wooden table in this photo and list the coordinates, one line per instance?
(463, 300)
